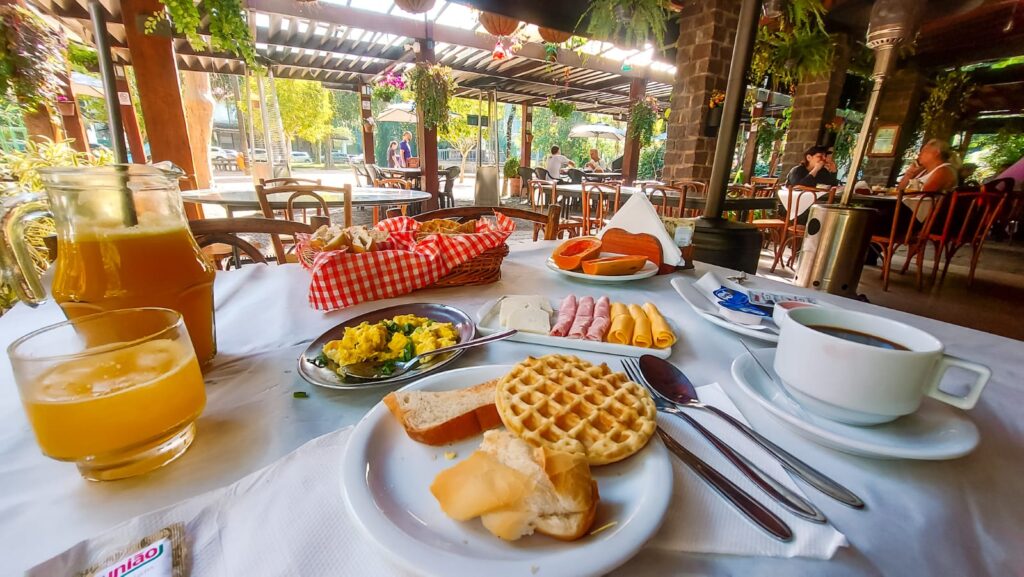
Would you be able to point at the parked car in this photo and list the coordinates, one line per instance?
(355, 158)
(300, 156)
(259, 155)
(218, 153)
(339, 156)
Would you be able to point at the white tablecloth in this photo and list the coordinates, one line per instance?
(961, 517)
(803, 201)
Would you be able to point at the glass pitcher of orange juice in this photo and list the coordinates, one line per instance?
(122, 242)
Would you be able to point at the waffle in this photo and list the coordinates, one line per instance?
(568, 404)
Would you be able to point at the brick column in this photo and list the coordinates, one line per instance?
(707, 31)
(900, 104)
(814, 106)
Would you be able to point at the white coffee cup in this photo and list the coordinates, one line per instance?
(864, 384)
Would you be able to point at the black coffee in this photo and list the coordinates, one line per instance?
(859, 337)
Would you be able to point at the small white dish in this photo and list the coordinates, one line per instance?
(487, 323)
(386, 479)
(649, 269)
(701, 306)
(935, 432)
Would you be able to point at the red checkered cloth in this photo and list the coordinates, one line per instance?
(342, 279)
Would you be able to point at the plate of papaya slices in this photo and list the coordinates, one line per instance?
(582, 258)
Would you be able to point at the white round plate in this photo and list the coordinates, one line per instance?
(386, 479)
(705, 309)
(649, 270)
(935, 432)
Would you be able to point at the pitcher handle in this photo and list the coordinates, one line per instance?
(18, 265)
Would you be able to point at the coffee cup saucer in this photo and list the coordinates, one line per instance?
(935, 432)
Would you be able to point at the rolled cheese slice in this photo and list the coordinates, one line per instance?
(641, 327)
(660, 331)
(621, 331)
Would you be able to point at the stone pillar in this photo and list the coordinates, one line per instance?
(526, 136)
(814, 106)
(900, 104)
(631, 151)
(704, 50)
(426, 141)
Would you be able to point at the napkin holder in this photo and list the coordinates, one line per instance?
(618, 241)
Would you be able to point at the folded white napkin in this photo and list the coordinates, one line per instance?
(639, 215)
(290, 518)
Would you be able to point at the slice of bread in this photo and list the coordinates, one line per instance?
(442, 417)
(563, 500)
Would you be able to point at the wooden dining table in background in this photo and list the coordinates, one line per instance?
(246, 200)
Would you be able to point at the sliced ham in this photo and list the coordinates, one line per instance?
(566, 314)
(602, 320)
(584, 316)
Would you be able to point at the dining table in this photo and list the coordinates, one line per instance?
(246, 200)
(958, 517)
(572, 195)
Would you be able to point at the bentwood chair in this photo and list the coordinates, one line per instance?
(446, 198)
(910, 225)
(571, 226)
(969, 219)
(398, 184)
(226, 231)
(793, 231)
(599, 202)
(295, 193)
(547, 221)
(288, 181)
(666, 194)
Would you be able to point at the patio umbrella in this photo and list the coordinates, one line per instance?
(401, 112)
(1016, 172)
(599, 130)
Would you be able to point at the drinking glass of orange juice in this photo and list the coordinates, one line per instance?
(116, 392)
(122, 242)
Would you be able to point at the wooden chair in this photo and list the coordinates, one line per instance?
(764, 182)
(413, 162)
(596, 201)
(294, 193)
(548, 222)
(908, 226)
(653, 191)
(397, 184)
(571, 226)
(446, 198)
(288, 181)
(969, 219)
(770, 223)
(792, 230)
(361, 174)
(210, 231)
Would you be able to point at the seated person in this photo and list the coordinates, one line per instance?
(594, 164)
(556, 162)
(812, 171)
(933, 170)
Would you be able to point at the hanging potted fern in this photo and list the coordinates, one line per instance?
(433, 88)
(632, 21)
(559, 108)
(642, 116)
(229, 31)
(31, 58)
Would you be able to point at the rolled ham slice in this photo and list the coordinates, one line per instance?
(566, 314)
(584, 316)
(602, 320)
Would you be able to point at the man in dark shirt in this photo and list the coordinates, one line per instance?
(812, 171)
(406, 148)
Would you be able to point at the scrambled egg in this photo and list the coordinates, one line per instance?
(398, 339)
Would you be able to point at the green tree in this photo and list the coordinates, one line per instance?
(459, 134)
(307, 109)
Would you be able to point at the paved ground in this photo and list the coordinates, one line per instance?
(992, 305)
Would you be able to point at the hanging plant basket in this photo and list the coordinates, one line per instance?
(415, 6)
(497, 24)
(553, 36)
(66, 107)
(712, 121)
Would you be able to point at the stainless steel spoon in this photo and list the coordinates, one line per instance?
(371, 370)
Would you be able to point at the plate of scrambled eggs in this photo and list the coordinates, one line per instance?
(387, 336)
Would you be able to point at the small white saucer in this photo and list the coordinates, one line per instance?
(935, 432)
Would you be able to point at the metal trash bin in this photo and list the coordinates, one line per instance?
(834, 247)
(486, 192)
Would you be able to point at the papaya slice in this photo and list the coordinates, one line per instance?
(573, 252)
(615, 265)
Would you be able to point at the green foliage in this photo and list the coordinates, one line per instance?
(1004, 149)
(92, 109)
(947, 103)
(82, 58)
(433, 89)
(798, 48)
(548, 132)
(642, 117)
(632, 21)
(31, 57)
(652, 160)
(458, 133)
(307, 108)
(511, 168)
(229, 32)
(559, 108)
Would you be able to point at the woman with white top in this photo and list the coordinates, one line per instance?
(933, 171)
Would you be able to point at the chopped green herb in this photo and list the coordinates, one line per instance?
(407, 329)
(300, 395)
(386, 369)
(408, 353)
(321, 360)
